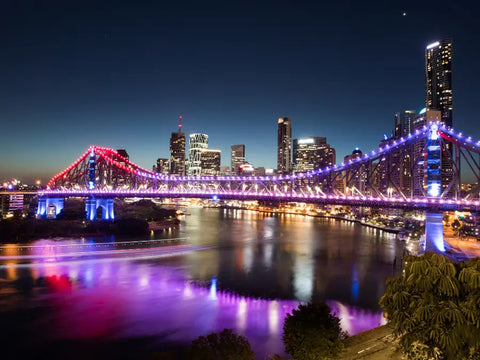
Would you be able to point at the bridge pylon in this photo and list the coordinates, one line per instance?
(92, 204)
(434, 240)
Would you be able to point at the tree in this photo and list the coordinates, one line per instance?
(311, 332)
(437, 303)
(224, 345)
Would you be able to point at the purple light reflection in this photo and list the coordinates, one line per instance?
(124, 298)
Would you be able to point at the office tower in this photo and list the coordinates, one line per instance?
(238, 157)
(197, 143)
(210, 162)
(438, 96)
(246, 169)
(438, 79)
(177, 151)
(404, 123)
(284, 146)
(355, 179)
(162, 166)
(225, 171)
(312, 153)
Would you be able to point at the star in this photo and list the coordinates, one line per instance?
(404, 14)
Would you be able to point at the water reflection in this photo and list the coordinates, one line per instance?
(242, 271)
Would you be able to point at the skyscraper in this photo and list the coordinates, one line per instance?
(312, 153)
(210, 162)
(162, 166)
(197, 143)
(238, 157)
(438, 79)
(284, 146)
(438, 96)
(177, 151)
(404, 123)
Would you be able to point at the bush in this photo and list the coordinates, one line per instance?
(311, 332)
(226, 345)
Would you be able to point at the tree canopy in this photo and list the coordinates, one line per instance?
(436, 302)
(312, 333)
(224, 345)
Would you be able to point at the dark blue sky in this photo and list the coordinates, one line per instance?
(76, 73)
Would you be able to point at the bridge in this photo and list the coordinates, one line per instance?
(420, 171)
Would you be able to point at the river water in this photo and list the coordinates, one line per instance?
(220, 269)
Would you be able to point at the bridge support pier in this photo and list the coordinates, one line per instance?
(92, 204)
(50, 207)
(434, 232)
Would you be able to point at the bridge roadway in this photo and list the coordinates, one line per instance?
(430, 204)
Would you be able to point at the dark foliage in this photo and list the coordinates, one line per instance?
(436, 303)
(311, 332)
(225, 345)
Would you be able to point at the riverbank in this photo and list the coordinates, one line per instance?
(25, 230)
(277, 211)
(135, 219)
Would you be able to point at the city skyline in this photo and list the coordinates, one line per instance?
(104, 84)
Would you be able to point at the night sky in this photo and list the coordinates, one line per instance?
(118, 74)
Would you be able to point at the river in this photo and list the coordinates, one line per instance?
(220, 269)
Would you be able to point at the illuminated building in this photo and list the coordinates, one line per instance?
(238, 157)
(197, 143)
(438, 79)
(210, 162)
(404, 123)
(246, 169)
(225, 171)
(4, 205)
(354, 182)
(312, 153)
(260, 171)
(15, 203)
(284, 146)
(162, 166)
(177, 151)
(123, 153)
(401, 167)
(438, 96)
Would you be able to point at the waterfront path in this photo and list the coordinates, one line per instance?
(375, 344)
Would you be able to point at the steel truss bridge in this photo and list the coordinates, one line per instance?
(420, 171)
(397, 175)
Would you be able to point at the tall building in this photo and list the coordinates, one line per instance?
(197, 143)
(210, 162)
(284, 146)
(355, 180)
(438, 79)
(238, 157)
(162, 166)
(177, 151)
(438, 96)
(404, 123)
(312, 153)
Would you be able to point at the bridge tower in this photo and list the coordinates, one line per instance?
(434, 219)
(49, 207)
(92, 203)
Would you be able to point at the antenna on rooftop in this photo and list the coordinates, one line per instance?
(180, 123)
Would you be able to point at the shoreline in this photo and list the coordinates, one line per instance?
(390, 230)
